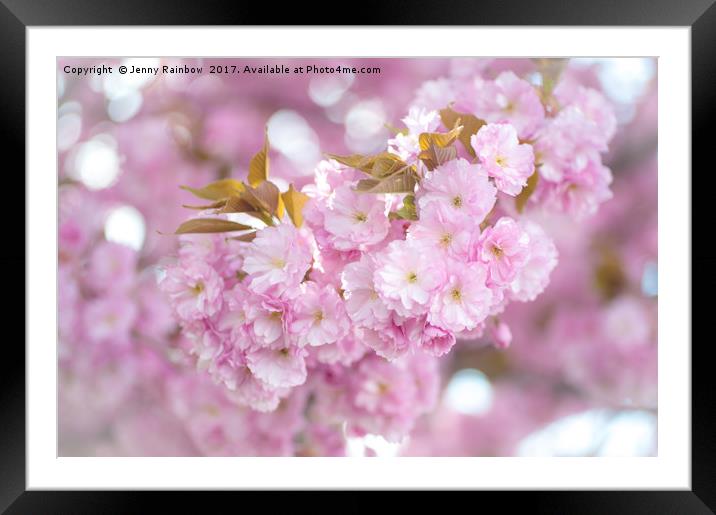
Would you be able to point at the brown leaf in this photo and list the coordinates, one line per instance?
(609, 277)
(237, 205)
(439, 139)
(210, 225)
(378, 165)
(387, 164)
(294, 202)
(263, 197)
(434, 156)
(524, 195)
(220, 204)
(248, 237)
(470, 125)
(357, 161)
(402, 182)
(259, 165)
(218, 190)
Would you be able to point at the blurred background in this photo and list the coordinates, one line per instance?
(580, 378)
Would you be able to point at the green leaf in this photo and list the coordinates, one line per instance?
(524, 195)
(294, 202)
(259, 165)
(408, 211)
(470, 125)
(218, 190)
(210, 225)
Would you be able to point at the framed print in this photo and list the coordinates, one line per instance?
(442, 257)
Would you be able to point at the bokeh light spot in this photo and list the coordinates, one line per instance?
(125, 225)
(469, 392)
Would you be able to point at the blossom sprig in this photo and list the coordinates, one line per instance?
(258, 198)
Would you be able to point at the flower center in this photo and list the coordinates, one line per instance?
(318, 316)
(412, 277)
(283, 352)
(198, 288)
(501, 161)
(497, 251)
(457, 201)
(456, 295)
(278, 262)
(360, 216)
(275, 315)
(383, 388)
(446, 239)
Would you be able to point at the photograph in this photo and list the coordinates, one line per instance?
(357, 257)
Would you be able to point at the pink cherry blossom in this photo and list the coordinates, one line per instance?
(504, 157)
(282, 367)
(533, 277)
(464, 300)
(319, 316)
(579, 194)
(388, 341)
(328, 176)
(567, 144)
(363, 304)
(407, 277)
(268, 317)
(504, 248)
(345, 351)
(277, 259)
(418, 121)
(439, 229)
(355, 220)
(462, 189)
(592, 104)
(386, 398)
(434, 340)
(232, 321)
(254, 393)
(195, 290)
(506, 99)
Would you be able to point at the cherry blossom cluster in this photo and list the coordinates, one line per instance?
(418, 285)
(569, 127)
(382, 263)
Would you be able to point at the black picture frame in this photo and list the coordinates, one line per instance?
(700, 15)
